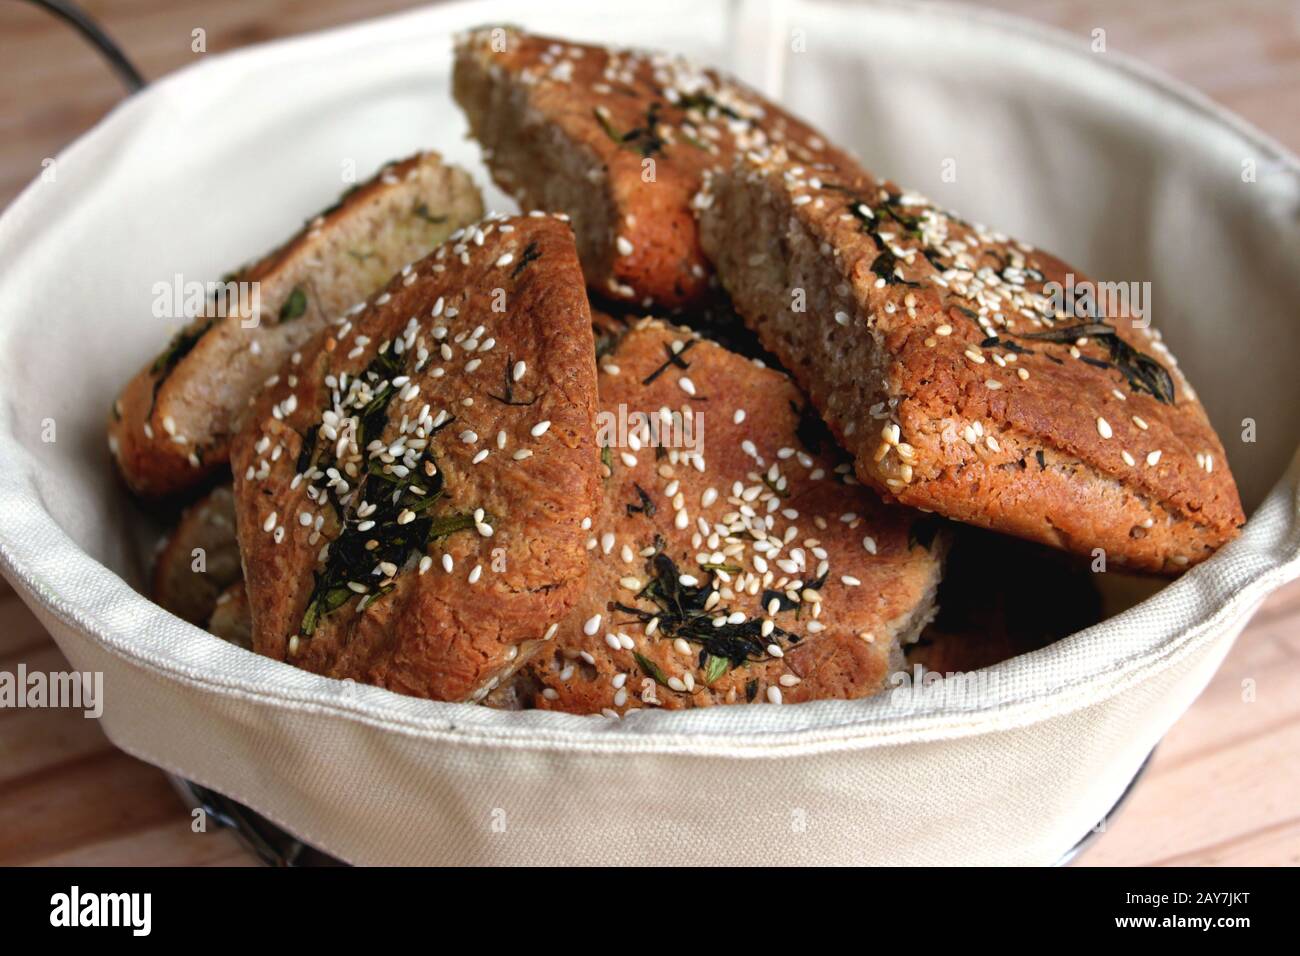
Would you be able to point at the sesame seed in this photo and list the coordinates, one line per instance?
(870, 544)
(624, 246)
(505, 260)
(522, 454)
(842, 318)
(1140, 423)
(518, 372)
(448, 564)
(426, 563)
(540, 428)
(1153, 458)
(774, 695)
(686, 385)
(476, 574)
(1103, 428)
(849, 580)
(592, 625)
(269, 523)
(1128, 459)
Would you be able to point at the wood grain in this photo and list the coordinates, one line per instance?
(1224, 787)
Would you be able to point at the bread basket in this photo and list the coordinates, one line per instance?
(1076, 149)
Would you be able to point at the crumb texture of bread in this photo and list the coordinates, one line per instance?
(619, 140)
(735, 559)
(943, 357)
(231, 618)
(171, 426)
(199, 559)
(410, 494)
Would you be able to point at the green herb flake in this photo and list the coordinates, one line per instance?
(716, 667)
(651, 668)
(680, 610)
(295, 306)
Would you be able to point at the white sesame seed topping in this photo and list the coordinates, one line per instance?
(1103, 428)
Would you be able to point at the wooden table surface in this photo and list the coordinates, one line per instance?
(1224, 787)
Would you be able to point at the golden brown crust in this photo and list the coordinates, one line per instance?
(480, 346)
(750, 508)
(932, 351)
(619, 140)
(172, 424)
(199, 559)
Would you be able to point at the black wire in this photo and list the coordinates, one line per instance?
(71, 13)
